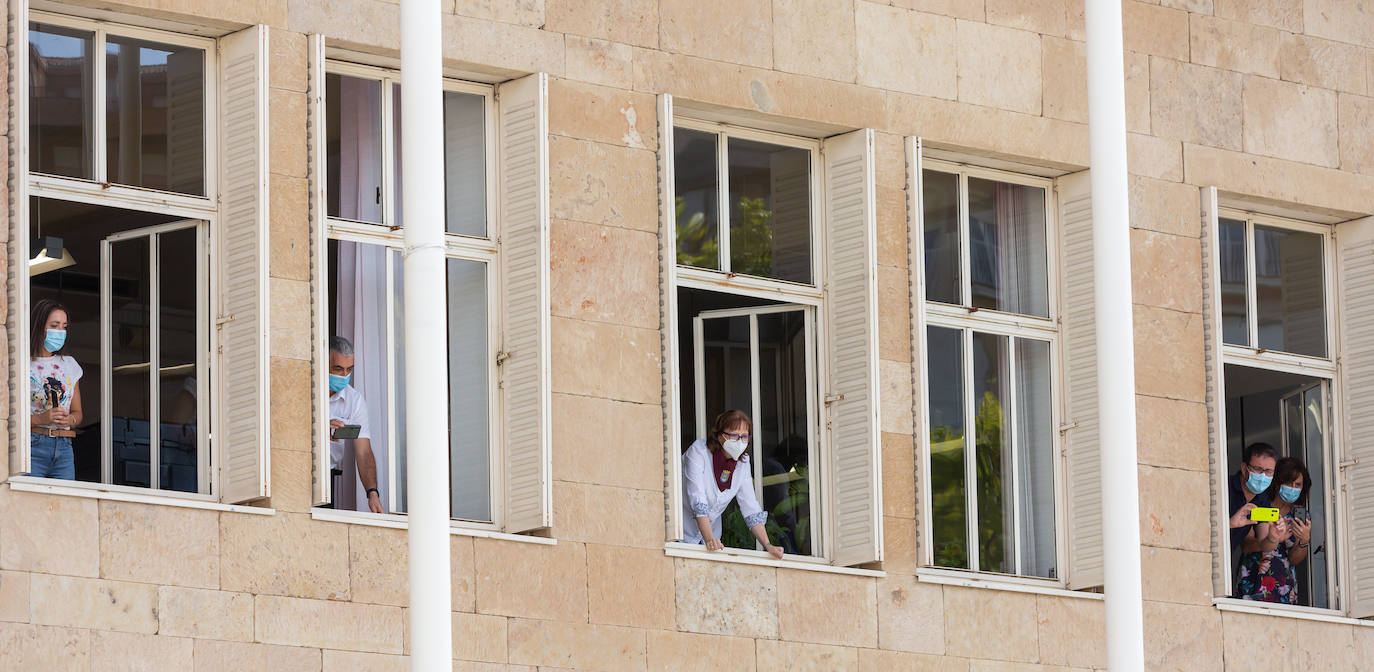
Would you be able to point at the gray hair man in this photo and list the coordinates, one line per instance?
(348, 410)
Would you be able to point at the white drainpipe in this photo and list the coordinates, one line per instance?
(1115, 340)
(426, 347)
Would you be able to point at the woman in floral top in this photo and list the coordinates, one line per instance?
(54, 394)
(1268, 568)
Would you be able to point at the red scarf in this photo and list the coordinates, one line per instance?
(724, 469)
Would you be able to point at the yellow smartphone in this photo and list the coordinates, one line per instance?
(1264, 514)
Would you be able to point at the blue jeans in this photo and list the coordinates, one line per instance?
(51, 457)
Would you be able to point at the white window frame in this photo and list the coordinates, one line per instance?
(998, 323)
(810, 297)
(388, 233)
(96, 192)
(1322, 368)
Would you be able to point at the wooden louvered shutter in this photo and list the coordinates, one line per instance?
(1083, 466)
(852, 352)
(916, 277)
(667, 303)
(523, 179)
(1355, 275)
(1216, 393)
(319, 381)
(241, 431)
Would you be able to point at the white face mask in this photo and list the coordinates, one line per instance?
(734, 448)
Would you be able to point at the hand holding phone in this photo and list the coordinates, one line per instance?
(1264, 514)
(351, 432)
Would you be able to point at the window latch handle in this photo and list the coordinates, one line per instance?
(1064, 429)
(832, 398)
(1350, 463)
(501, 357)
(222, 319)
(379, 195)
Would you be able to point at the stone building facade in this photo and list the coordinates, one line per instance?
(1270, 103)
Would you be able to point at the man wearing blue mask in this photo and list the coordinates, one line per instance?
(348, 408)
(1247, 491)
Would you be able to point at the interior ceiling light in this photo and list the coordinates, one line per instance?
(50, 257)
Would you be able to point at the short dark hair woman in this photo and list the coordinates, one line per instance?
(1268, 567)
(54, 393)
(716, 470)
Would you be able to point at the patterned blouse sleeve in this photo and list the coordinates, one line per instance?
(748, 502)
(692, 472)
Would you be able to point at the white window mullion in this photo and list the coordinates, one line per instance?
(756, 408)
(813, 450)
(99, 132)
(154, 366)
(388, 132)
(723, 201)
(965, 254)
(106, 373)
(204, 468)
(1012, 413)
(394, 448)
(1251, 285)
(970, 451)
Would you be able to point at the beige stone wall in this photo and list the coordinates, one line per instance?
(1268, 99)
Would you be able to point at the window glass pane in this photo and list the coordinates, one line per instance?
(130, 402)
(397, 202)
(465, 163)
(1290, 299)
(61, 71)
(949, 499)
(353, 137)
(155, 115)
(1235, 303)
(940, 197)
(178, 304)
(996, 543)
(358, 306)
(1035, 459)
(781, 435)
(1007, 247)
(770, 210)
(725, 358)
(469, 390)
(696, 200)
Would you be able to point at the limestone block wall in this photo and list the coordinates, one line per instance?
(1269, 99)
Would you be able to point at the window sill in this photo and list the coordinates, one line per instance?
(1286, 611)
(674, 549)
(106, 492)
(1013, 584)
(399, 522)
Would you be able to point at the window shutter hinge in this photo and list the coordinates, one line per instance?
(832, 398)
(501, 357)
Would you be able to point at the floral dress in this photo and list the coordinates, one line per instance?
(1269, 576)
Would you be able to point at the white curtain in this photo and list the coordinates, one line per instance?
(360, 149)
(361, 318)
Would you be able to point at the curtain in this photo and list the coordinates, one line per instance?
(360, 149)
(362, 319)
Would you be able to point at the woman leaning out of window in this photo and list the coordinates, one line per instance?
(54, 394)
(1268, 568)
(717, 470)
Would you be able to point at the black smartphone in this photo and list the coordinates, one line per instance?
(347, 432)
(1301, 513)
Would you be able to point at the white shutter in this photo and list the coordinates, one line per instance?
(1355, 274)
(17, 286)
(851, 305)
(1083, 463)
(523, 167)
(319, 285)
(241, 432)
(1216, 394)
(667, 304)
(916, 276)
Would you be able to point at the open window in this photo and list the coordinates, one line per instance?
(496, 287)
(130, 211)
(770, 309)
(1274, 284)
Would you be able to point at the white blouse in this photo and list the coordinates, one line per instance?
(701, 497)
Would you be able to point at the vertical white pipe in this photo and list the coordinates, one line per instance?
(426, 389)
(1115, 340)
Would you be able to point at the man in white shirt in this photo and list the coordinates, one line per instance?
(347, 407)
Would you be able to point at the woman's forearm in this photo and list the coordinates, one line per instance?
(704, 524)
(761, 534)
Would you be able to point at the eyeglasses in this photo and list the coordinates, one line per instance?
(736, 437)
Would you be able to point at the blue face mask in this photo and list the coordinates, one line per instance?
(1289, 493)
(1258, 483)
(55, 339)
(338, 383)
